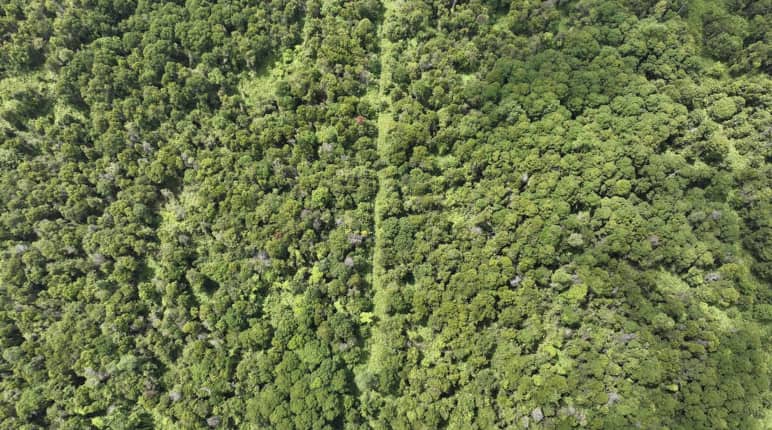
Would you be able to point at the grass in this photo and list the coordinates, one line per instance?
(260, 84)
(379, 97)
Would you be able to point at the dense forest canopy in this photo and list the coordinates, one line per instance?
(388, 214)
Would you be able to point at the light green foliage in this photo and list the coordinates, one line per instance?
(576, 293)
(318, 214)
(724, 108)
(606, 163)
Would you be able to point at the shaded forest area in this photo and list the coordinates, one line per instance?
(319, 214)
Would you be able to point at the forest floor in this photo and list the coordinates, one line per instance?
(379, 97)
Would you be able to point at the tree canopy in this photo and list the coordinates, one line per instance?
(394, 214)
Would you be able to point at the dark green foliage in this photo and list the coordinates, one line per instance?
(321, 214)
(596, 266)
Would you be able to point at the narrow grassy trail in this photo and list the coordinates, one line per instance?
(380, 97)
